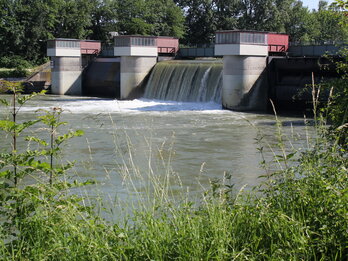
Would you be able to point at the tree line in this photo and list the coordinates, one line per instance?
(25, 25)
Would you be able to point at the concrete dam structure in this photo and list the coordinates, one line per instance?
(247, 76)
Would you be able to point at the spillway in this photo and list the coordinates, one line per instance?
(189, 81)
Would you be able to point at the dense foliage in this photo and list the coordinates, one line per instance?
(337, 109)
(25, 25)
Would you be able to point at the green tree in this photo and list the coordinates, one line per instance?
(301, 25)
(104, 19)
(10, 29)
(226, 13)
(167, 18)
(37, 18)
(27, 24)
(199, 21)
(25, 27)
(265, 15)
(153, 17)
(74, 19)
(330, 23)
(204, 17)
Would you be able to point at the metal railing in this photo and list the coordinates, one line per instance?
(314, 50)
(162, 49)
(276, 48)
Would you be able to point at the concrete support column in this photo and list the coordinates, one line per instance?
(241, 74)
(134, 69)
(66, 75)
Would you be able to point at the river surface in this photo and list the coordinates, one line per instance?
(127, 144)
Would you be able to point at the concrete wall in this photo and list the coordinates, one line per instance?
(66, 76)
(241, 76)
(290, 81)
(133, 72)
(102, 78)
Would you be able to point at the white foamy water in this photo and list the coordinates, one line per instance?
(96, 105)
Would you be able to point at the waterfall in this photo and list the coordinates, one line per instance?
(194, 81)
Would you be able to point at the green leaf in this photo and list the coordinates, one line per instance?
(37, 140)
(5, 173)
(20, 127)
(23, 99)
(60, 139)
(4, 102)
(36, 164)
(6, 125)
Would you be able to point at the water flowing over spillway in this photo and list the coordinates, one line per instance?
(193, 81)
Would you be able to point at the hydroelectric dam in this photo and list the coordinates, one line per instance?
(243, 72)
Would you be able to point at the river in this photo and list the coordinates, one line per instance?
(188, 144)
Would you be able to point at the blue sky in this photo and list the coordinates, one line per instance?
(313, 3)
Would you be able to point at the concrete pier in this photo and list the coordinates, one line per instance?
(244, 55)
(138, 56)
(240, 74)
(66, 64)
(66, 76)
(134, 70)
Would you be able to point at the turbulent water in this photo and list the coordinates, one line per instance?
(192, 81)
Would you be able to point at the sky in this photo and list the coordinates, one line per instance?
(313, 4)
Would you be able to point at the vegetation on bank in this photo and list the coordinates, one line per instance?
(14, 66)
(13, 73)
(298, 213)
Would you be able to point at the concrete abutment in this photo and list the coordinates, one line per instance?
(240, 76)
(134, 69)
(66, 75)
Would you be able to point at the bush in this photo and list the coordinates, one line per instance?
(6, 73)
(20, 72)
(14, 61)
(337, 110)
(15, 73)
